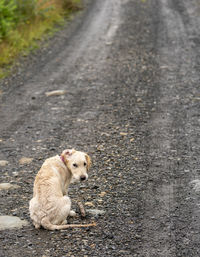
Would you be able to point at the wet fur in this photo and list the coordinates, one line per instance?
(50, 205)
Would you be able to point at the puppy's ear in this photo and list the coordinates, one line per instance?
(68, 152)
(88, 159)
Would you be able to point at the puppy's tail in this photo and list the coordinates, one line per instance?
(57, 227)
(47, 225)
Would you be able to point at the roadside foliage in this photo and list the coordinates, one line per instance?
(23, 22)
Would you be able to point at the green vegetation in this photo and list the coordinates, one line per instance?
(24, 22)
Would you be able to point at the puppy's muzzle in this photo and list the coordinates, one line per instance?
(82, 178)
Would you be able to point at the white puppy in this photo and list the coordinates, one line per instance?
(50, 205)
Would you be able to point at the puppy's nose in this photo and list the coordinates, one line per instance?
(83, 178)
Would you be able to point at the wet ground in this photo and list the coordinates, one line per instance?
(130, 70)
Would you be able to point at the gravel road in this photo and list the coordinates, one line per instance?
(131, 72)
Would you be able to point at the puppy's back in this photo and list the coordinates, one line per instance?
(47, 180)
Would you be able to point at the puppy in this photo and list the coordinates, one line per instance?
(50, 205)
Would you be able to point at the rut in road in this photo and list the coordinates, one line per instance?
(173, 132)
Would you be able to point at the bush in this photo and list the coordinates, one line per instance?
(72, 5)
(30, 9)
(8, 17)
(26, 8)
(24, 22)
(13, 12)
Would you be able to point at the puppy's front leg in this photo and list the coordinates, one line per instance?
(65, 191)
(71, 212)
(64, 222)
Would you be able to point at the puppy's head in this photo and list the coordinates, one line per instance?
(78, 163)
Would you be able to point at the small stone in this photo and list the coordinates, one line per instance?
(100, 148)
(5, 186)
(10, 222)
(196, 185)
(15, 173)
(95, 187)
(55, 93)
(137, 236)
(109, 43)
(95, 212)
(102, 194)
(3, 163)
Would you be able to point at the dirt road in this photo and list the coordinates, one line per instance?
(131, 72)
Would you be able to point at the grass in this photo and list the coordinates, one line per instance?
(25, 37)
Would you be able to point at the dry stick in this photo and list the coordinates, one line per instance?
(82, 210)
(80, 225)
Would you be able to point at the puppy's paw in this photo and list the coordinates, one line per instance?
(72, 213)
(64, 222)
(37, 226)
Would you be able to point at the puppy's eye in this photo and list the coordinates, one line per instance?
(85, 163)
(75, 165)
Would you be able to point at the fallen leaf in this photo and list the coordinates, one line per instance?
(25, 160)
(123, 134)
(102, 194)
(89, 204)
(132, 139)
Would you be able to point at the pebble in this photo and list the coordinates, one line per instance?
(95, 212)
(3, 163)
(5, 186)
(196, 185)
(11, 222)
(55, 93)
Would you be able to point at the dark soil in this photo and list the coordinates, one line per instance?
(131, 72)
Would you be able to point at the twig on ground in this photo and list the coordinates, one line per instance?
(82, 210)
